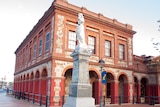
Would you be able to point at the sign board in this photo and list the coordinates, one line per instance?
(104, 77)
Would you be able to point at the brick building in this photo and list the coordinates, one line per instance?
(44, 65)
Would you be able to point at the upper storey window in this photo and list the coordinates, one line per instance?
(108, 48)
(91, 44)
(34, 55)
(40, 46)
(121, 52)
(72, 40)
(47, 41)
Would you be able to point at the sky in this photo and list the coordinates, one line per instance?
(18, 17)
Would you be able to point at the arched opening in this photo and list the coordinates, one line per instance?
(94, 82)
(31, 83)
(108, 88)
(36, 85)
(24, 83)
(143, 87)
(27, 82)
(21, 84)
(68, 80)
(135, 89)
(44, 82)
(123, 89)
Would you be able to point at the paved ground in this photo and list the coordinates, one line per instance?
(10, 101)
(133, 105)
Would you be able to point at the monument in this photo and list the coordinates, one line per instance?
(80, 90)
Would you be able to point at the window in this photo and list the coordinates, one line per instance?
(47, 41)
(121, 52)
(108, 48)
(26, 54)
(34, 55)
(40, 47)
(30, 54)
(72, 40)
(91, 44)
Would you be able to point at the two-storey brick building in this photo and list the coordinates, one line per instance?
(44, 65)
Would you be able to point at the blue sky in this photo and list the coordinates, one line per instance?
(19, 16)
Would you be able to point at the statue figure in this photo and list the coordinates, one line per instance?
(80, 33)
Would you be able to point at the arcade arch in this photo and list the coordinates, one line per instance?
(123, 85)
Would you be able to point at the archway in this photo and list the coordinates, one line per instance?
(24, 84)
(36, 83)
(108, 88)
(27, 82)
(31, 83)
(143, 87)
(68, 80)
(123, 88)
(94, 82)
(135, 89)
(143, 90)
(44, 81)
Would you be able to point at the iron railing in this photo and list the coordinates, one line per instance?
(59, 101)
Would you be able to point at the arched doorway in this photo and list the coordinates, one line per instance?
(143, 90)
(143, 87)
(68, 80)
(27, 83)
(94, 82)
(123, 89)
(135, 89)
(31, 83)
(36, 83)
(44, 82)
(108, 90)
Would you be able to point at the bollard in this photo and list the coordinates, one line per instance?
(28, 97)
(62, 100)
(40, 102)
(119, 100)
(33, 98)
(46, 101)
(133, 100)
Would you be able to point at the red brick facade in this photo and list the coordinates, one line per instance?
(45, 67)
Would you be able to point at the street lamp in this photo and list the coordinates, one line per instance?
(101, 65)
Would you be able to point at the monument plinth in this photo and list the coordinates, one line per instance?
(80, 90)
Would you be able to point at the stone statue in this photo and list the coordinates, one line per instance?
(80, 89)
(80, 33)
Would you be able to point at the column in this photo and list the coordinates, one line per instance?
(139, 92)
(114, 92)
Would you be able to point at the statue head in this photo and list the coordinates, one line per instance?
(80, 18)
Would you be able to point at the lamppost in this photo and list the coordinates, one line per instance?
(101, 64)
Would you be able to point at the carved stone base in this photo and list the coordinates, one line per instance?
(79, 102)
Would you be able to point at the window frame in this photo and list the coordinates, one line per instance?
(122, 52)
(92, 44)
(34, 51)
(40, 47)
(108, 50)
(72, 40)
(47, 42)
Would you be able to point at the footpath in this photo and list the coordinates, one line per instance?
(11, 101)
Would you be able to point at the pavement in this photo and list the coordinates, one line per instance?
(11, 101)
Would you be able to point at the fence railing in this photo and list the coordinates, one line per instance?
(59, 101)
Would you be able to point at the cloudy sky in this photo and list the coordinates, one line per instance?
(17, 18)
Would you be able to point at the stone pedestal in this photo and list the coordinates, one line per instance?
(80, 90)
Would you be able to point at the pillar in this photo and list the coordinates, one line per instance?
(138, 92)
(114, 92)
